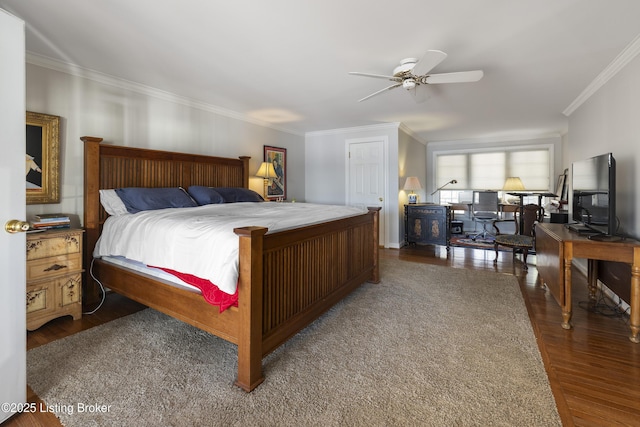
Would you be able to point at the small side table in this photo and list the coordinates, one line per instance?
(54, 276)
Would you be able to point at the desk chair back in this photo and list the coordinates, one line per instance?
(485, 204)
(485, 210)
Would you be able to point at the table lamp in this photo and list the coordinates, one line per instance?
(266, 171)
(412, 183)
(513, 183)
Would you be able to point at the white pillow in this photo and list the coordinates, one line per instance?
(112, 203)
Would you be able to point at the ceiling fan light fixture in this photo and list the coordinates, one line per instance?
(409, 84)
(413, 73)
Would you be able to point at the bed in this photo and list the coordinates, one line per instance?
(287, 279)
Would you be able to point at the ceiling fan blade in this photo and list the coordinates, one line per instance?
(428, 62)
(377, 76)
(419, 93)
(380, 91)
(459, 77)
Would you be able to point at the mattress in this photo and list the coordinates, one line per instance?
(200, 241)
(154, 272)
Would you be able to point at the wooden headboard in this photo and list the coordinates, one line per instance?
(111, 166)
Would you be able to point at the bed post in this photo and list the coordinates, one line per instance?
(375, 275)
(91, 211)
(245, 166)
(250, 307)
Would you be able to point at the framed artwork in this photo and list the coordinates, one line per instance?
(278, 157)
(42, 158)
(562, 189)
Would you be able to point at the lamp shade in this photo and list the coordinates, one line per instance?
(266, 170)
(412, 183)
(513, 183)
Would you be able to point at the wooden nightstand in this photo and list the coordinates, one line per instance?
(54, 276)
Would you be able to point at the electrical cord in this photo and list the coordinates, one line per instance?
(604, 306)
(104, 293)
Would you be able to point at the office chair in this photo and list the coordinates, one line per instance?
(485, 211)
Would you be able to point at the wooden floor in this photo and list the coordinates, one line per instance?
(593, 369)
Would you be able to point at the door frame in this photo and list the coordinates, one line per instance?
(384, 140)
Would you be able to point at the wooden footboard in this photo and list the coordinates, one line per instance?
(287, 279)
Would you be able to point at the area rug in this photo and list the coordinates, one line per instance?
(479, 243)
(428, 346)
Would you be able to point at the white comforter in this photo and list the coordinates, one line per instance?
(200, 240)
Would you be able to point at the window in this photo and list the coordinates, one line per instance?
(488, 170)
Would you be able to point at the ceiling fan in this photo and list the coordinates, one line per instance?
(413, 75)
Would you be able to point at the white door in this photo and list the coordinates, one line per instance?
(366, 177)
(13, 370)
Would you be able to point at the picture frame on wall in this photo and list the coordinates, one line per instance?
(42, 158)
(562, 189)
(277, 189)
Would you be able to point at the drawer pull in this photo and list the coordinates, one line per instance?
(55, 267)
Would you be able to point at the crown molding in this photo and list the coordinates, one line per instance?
(621, 61)
(106, 79)
(513, 139)
(412, 134)
(376, 127)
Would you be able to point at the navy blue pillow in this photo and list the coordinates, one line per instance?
(205, 195)
(237, 194)
(138, 199)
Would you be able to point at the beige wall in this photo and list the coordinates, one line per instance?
(608, 122)
(125, 114)
(326, 164)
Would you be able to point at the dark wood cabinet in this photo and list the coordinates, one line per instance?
(427, 224)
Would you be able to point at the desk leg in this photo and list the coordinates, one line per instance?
(592, 281)
(566, 306)
(634, 317)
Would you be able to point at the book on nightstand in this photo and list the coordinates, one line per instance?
(51, 221)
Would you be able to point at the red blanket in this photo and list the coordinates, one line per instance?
(210, 292)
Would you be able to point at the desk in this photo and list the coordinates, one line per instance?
(461, 206)
(556, 247)
(507, 208)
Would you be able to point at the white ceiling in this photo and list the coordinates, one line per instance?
(286, 61)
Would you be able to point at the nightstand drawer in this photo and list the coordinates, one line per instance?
(40, 299)
(69, 290)
(53, 266)
(54, 298)
(54, 244)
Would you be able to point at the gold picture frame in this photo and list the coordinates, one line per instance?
(42, 158)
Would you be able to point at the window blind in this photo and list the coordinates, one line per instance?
(489, 170)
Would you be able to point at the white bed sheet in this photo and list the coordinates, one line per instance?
(200, 240)
(151, 271)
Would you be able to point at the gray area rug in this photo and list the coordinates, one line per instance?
(428, 346)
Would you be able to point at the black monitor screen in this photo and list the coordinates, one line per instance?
(593, 182)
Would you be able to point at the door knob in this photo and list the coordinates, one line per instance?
(15, 226)
(380, 198)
